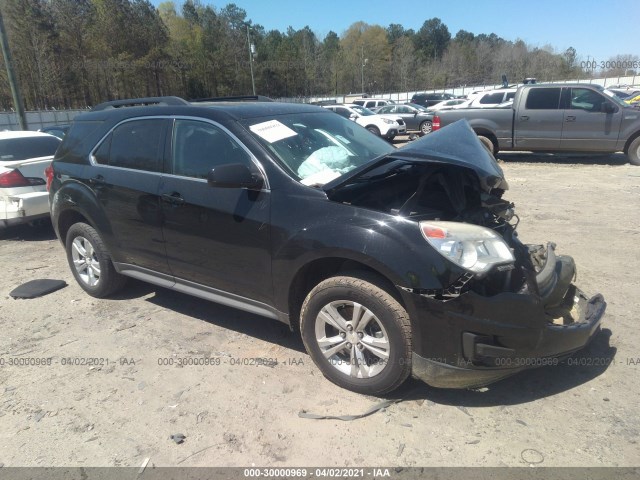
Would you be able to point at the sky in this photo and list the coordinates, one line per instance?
(596, 29)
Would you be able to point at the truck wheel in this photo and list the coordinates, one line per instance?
(488, 144)
(425, 127)
(373, 129)
(90, 262)
(634, 152)
(357, 334)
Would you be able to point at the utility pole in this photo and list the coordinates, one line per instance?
(252, 51)
(364, 62)
(11, 76)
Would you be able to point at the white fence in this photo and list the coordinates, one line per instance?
(37, 120)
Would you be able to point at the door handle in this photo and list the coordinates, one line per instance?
(97, 180)
(174, 198)
(524, 118)
(571, 118)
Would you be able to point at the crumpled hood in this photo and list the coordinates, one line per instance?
(455, 144)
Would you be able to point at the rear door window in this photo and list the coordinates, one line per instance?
(138, 145)
(12, 149)
(492, 98)
(543, 99)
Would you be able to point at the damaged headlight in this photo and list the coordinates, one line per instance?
(472, 247)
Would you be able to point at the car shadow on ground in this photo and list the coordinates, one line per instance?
(262, 328)
(526, 386)
(40, 231)
(613, 159)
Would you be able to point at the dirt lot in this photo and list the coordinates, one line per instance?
(234, 412)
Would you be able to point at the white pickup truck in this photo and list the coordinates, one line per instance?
(24, 156)
(556, 117)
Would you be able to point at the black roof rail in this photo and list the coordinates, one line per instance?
(239, 98)
(138, 102)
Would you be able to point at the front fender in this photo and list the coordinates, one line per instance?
(391, 245)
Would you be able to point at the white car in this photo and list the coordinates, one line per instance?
(489, 98)
(387, 126)
(446, 104)
(24, 156)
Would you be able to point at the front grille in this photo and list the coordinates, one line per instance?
(400, 122)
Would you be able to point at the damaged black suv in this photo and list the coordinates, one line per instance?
(390, 261)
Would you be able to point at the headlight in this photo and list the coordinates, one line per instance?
(472, 247)
(388, 120)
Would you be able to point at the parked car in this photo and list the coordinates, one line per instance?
(446, 104)
(414, 118)
(489, 99)
(556, 118)
(387, 126)
(373, 103)
(389, 261)
(24, 156)
(56, 130)
(430, 99)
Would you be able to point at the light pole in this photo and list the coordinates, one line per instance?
(11, 77)
(252, 52)
(364, 62)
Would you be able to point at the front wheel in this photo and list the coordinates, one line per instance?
(90, 262)
(634, 152)
(425, 127)
(357, 334)
(488, 144)
(373, 129)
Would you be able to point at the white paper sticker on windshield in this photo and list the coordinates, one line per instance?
(272, 131)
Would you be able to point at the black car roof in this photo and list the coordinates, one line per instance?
(219, 111)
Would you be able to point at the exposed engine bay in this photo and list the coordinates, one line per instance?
(442, 192)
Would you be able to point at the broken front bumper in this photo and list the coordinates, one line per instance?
(473, 340)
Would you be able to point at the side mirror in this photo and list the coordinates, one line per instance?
(606, 107)
(353, 116)
(235, 175)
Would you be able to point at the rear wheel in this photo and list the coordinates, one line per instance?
(634, 152)
(90, 262)
(373, 129)
(357, 334)
(425, 127)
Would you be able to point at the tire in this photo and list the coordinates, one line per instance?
(373, 129)
(634, 152)
(371, 358)
(488, 144)
(90, 262)
(390, 138)
(426, 127)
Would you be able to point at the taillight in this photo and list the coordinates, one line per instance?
(13, 179)
(435, 124)
(48, 172)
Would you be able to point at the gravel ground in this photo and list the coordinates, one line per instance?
(122, 407)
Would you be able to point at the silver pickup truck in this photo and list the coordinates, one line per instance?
(556, 118)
